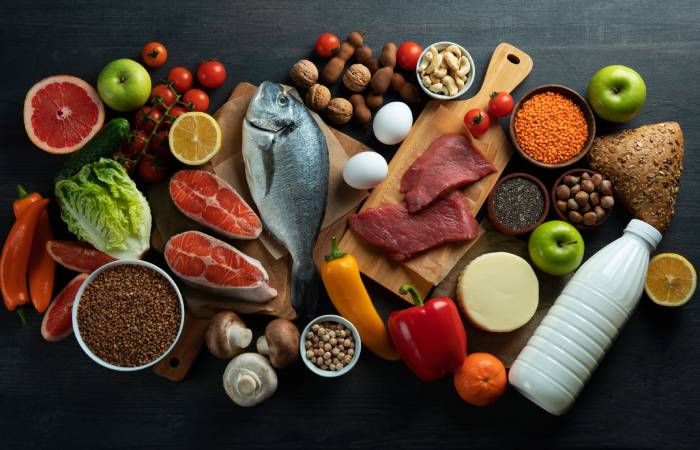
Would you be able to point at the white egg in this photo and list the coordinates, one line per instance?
(392, 123)
(365, 170)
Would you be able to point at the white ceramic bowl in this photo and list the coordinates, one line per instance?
(89, 279)
(330, 373)
(470, 76)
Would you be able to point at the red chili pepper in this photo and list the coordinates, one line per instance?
(429, 337)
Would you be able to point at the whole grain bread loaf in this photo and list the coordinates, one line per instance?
(645, 166)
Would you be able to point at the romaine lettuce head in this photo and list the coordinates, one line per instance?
(101, 205)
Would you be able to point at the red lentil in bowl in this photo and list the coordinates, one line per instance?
(128, 315)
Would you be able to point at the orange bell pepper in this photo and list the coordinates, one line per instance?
(341, 277)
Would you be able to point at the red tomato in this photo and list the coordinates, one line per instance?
(211, 74)
(175, 112)
(181, 78)
(501, 104)
(197, 98)
(159, 145)
(135, 145)
(327, 44)
(151, 169)
(408, 54)
(154, 54)
(146, 118)
(477, 121)
(165, 93)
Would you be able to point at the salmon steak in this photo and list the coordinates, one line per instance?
(402, 235)
(212, 265)
(449, 163)
(209, 200)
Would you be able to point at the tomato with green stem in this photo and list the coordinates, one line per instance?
(211, 74)
(151, 169)
(327, 44)
(175, 112)
(197, 98)
(154, 54)
(136, 143)
(181, 79)
(163, 95)
(500, 104)
(147, 117)
(477, 121)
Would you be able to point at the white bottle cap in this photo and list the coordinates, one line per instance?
(645, 231)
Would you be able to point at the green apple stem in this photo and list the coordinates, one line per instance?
(561, 244)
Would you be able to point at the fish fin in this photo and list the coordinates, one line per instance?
(269, 164)
(305, 291)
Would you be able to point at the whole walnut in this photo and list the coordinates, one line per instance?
(357, 77)
(304, 73)
(317, 97)
(339, 111)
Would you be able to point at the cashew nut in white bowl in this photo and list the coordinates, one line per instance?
(450, 84)
(443, 70)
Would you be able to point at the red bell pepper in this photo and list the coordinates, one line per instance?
(429, 337)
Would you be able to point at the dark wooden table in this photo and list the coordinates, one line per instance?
(644, 394)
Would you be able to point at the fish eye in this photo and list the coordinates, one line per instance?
(282, 100)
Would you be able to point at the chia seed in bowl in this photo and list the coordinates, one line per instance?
(518, 203)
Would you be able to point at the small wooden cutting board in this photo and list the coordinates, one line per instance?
(508, 68)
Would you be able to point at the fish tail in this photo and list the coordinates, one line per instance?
(305, 288)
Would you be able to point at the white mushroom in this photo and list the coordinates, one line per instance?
(280, 343)
(249, 379)
(227, 335)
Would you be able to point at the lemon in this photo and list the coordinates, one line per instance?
(671, 280)
(195, 138)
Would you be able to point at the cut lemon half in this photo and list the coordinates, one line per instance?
(195, 138)
(671, 280)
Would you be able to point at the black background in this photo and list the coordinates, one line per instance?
(644, 394)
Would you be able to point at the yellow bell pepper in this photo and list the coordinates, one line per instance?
(341, 277)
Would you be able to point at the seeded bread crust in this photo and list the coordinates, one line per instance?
(645, 166)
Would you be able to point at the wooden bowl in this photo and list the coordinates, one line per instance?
(578, 100)
(500, 226)
(561, 215)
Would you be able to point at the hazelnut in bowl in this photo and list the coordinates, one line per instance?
(445, 70)
(128, 315)
(583, 198)
(552, 127)
(517, 204)
(330, 346)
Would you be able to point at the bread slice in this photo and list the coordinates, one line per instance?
(645, 166)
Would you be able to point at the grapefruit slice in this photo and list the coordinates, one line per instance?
(212, 265)
(209, 200)
(57, 322)
(77, 256)
(62, 113)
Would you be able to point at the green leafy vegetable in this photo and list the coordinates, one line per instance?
(101, 205)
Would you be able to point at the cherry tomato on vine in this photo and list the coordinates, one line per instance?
(408, 54)
(327, 44)
(477, 121)
(181, 78)
(135, 144)
(146, 118)
(175, 112)
(211, 74)
(154, 54)
(198, 98)
(159, 145)
(151, 169)
(165, 93)
(501, 104)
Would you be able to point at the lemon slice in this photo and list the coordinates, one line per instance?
(195, 138)
(671, 280)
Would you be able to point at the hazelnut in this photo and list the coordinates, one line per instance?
(587, 185)
(570, 180)
(599, 212)
(605, 187)
(563, 192)
(594, 198)
(585, 208)
(589, 218)
(574, 189)
(575, 217)
(339, 110)
(304, 73)
(356, 78)
(596, 179)
(581, 198)
(561, 204)
(607, 201)
(317, 98)
(572, 204)
(585, 176)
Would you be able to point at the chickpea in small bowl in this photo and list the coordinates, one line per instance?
(445, 70)
(330, 346)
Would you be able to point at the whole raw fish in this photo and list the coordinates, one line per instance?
(286, 162)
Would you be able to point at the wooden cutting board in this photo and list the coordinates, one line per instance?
(507, 69)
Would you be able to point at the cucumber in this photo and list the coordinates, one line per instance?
(107, 141)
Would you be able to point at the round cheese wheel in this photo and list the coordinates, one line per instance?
(498, 292)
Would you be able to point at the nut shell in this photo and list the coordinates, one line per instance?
(317, 97)
(304, 73)
(339, 111)
(356, 78)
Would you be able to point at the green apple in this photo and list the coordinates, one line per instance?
(124, 85)
(556, 247)
(617, 93)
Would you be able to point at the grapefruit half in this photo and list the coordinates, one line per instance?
(62, 113)
(58, 321)
(77, 256)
